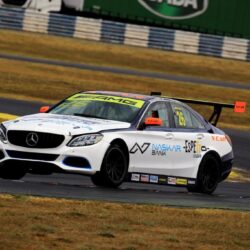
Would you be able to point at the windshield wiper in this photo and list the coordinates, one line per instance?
(91, 116)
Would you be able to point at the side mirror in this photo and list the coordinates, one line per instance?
(44, 109)
(152, 121)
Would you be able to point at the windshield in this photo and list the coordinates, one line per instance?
(100, 106)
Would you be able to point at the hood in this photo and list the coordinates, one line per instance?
(63, 124)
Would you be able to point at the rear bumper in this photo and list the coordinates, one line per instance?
(226, 166)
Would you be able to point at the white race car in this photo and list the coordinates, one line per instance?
(116, 137)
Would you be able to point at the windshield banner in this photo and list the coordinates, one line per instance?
(106, 98)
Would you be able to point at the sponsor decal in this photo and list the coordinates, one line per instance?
(191, 182)
(135, 177)
(59, 120)
(143, 148)
(153, 179)
(163, 180)
(162, 149)
(219, 138)
(196, 156)
(145, 178)
(175, 9)
(171, 181)
(106, 98)
(180, 181)
(86, 127)
(194, 147)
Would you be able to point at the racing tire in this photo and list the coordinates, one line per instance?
(113, 170)
(208, 176)
(10, 173)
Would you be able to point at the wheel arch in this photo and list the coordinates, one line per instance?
(214, 154)
(207, 183)
(104, 177)
(121, 143)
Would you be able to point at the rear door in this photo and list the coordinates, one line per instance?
(189, 131)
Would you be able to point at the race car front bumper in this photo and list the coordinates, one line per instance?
(81, 160)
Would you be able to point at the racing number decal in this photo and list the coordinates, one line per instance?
(182, 120)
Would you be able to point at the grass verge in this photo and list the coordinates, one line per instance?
(51, 83)
(76, 50)
(44, 223)
(239, 175)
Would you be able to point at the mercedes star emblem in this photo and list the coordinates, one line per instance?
(32, 139)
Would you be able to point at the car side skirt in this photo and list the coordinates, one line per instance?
(160, 179)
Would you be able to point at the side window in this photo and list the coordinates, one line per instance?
(184, 118)
(159, 110)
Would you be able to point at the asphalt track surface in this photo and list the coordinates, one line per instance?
(227, 196)
(114, 70)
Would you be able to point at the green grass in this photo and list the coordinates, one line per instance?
(49, 84)
(76, 50)
(44, 223)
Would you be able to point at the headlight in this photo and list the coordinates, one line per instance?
(85, 140)
(3, 132)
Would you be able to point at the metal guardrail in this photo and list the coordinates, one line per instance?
(121, 33)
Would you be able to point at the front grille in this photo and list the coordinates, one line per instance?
(43, 140)
(32, 156)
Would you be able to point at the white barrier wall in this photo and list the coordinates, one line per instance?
(121, 33)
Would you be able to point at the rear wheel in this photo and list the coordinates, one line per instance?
(208, 176)
(113, 170)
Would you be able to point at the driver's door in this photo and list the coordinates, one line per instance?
(153, 148)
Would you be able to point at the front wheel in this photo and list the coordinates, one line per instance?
(114, 168)
(208, 176)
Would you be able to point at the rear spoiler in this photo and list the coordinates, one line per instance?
(238, 106)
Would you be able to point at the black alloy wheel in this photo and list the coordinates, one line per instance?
(113, 170)
(208, 176)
